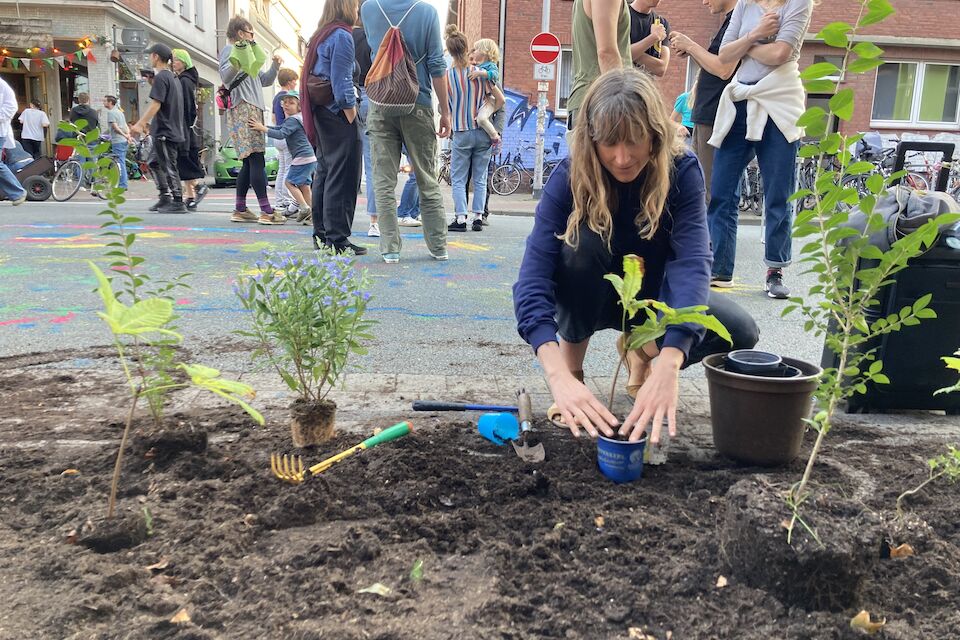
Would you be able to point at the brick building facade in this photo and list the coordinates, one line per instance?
(917, 90)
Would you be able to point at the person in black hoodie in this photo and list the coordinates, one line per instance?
(188, 159)
(83, 111)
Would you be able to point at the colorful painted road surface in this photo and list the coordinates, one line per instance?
(444, 318)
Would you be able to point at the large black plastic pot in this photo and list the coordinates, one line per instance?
(759, 420)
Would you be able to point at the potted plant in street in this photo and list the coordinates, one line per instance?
(307, 316)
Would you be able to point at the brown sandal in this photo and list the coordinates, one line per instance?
(554, 414)
(632, 389)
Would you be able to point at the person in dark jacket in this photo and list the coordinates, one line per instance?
(83, 111)
(628, 187)
(188, 158)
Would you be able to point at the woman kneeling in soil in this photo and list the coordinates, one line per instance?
(628, 187)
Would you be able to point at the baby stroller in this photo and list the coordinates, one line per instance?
(33, 175)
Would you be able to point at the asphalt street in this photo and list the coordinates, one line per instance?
(444, 318)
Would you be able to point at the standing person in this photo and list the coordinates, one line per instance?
(334, 127)
(420, 26)
(166, 129)
(288, 79)
(470, 146)
(765, 36)
(364, 58)
(241, 70)
(648, 35)
(682, 107)
(83, 111)
(9, 185)
(601, 42)
(188, 160)
(303, 162)
(628, 187)
(713, 78)
(34, 121)
(119, 136)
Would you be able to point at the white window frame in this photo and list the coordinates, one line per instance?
(835, 78)
(198, 14)
(169, 4)
(693, 72)
(557, 111)
(185, 12)
(914, 122)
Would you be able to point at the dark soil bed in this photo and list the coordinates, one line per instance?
(507, 550)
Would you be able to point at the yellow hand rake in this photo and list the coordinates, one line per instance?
(290, 468)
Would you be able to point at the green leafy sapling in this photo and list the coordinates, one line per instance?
(659, 315)
(850, 272)
(137, 325)
(952, 363)
(946, 465)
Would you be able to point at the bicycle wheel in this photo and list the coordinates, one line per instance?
(505, 180)
(746, 199)
(916, 181)
(101, 187)
(67, 181)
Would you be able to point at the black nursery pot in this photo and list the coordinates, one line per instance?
(756, 419)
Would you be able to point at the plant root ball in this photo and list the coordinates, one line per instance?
(806, 573)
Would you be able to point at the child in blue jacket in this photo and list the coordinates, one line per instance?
(300, 174)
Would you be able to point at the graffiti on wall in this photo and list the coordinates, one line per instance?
(520, 132)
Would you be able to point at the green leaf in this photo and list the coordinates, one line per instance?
(877, 11)
(820, 86)
(416, 572)
(812, 116)
(862, 65)
(922, 302)
(867, 50)
(880, 379)
(808, 151)
(819, 70)
(145, 316)
(841, 104)
(835, 34)
(862, 167)
(875, 184)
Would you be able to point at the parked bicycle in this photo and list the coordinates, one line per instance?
(751, 190)
(506, 178)
(71, 176)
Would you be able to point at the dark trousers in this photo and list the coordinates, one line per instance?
(253, 173)
(31, 146)
(335, 185)
(586, 303)
(163, 163)
(188, 164)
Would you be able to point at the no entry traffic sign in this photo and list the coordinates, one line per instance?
(545, 47)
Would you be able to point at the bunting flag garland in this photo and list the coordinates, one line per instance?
(61, 59)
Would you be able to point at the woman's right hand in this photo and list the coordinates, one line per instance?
(579, 407)
(768, 26)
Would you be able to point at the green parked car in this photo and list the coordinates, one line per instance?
(226, 167)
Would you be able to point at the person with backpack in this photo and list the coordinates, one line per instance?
(188, 160)
(331, 124)
(242, 97)
(409, 59)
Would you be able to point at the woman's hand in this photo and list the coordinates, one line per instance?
(579, 407)
(657, 399)
(682, 131)
(768, 27)
(277, 60)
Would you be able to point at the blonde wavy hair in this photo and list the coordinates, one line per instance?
(489, 48)
(622, 105)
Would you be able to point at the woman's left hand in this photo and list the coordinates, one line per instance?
(656, 399)
(277, 60)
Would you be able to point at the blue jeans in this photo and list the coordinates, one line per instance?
(367, 160)
(469, 150)
(9, 184)
(778, 169)
(119, 151)
(409, 206)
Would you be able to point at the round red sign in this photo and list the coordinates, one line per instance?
(545, 47)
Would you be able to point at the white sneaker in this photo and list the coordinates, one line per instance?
(407, 221)
(374, 230)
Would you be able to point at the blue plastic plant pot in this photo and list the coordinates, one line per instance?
(498, 428)
(753, 362)
(620, 461)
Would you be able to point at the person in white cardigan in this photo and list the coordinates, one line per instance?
(9, 186)
(757, 115)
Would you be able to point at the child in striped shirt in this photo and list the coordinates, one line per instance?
(484, 57)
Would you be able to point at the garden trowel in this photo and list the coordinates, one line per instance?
(526, 452)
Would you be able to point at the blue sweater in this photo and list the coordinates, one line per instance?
(677, 259)
(292, 131)
(335, 60)
(421, 32)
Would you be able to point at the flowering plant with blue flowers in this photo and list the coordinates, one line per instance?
(307, 312)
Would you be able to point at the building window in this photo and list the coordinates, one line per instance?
(921, 94)
(198, 14)
(564, 79)
(693, 72)
(169, 4)
(185, 9)
(836, 61)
